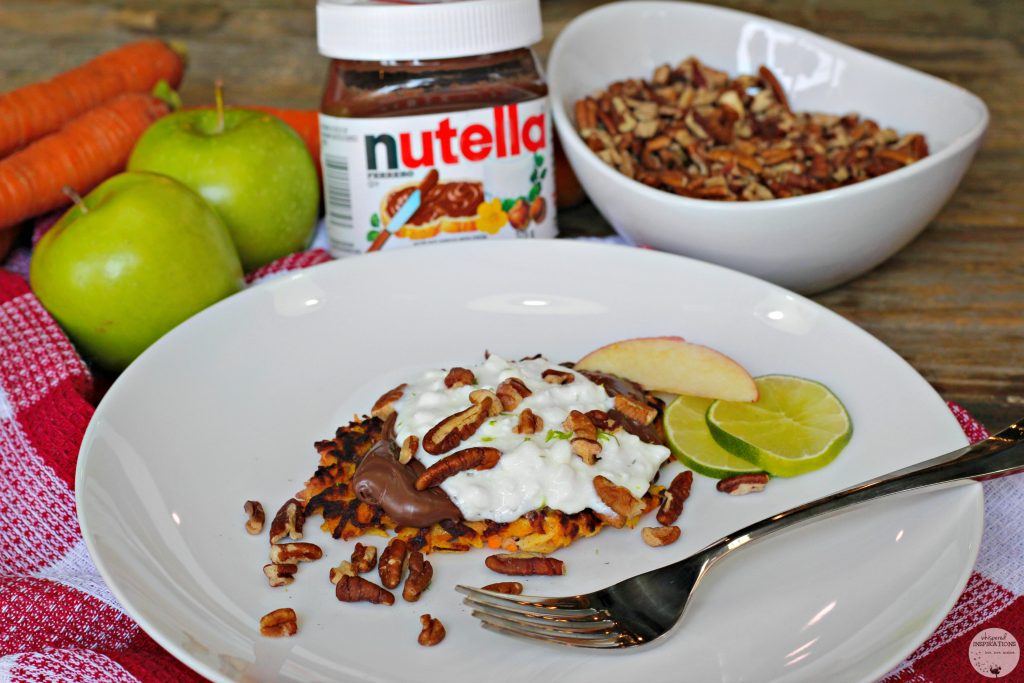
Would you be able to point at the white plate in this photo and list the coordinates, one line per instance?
(226, 408)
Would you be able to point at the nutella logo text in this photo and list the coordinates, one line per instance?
(507, 136)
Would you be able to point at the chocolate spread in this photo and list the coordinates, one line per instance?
(620, 386)
(381, 480)
(362, 89)
(455, 199)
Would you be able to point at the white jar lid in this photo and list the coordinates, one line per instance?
(386, 30)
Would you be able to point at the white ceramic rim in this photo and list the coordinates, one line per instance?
(569, 135)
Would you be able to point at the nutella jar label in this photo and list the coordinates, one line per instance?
(410, 180)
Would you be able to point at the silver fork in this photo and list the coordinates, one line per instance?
(643, 608)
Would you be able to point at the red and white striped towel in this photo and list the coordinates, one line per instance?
(59, 622)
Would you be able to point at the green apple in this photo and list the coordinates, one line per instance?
(250, 166)
(137, 256)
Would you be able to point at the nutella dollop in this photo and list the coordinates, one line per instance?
(381, 480)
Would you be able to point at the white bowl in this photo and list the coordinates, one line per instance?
(807, 243)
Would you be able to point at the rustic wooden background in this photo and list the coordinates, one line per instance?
(952, 303)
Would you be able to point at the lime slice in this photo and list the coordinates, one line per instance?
(795, 426)
(690, 441)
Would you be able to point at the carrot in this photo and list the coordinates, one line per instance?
(30, 112)
(84, 153)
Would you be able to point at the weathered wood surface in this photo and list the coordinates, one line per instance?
(951, 303)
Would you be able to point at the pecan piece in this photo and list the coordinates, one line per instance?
(392, 563)
(742, 484)
(358, 589)
(287, 553)
(280, 574)
(478, 396)
(364, 558)
(659, 536)
(476, 458)
(552, 376)
(288, 521)
(676, 494)
(511, 393)
(454, 429)
(506, 587)
(529, 423)
(409, 448)
(584, 442)
(279, 623)
(420, 574)
(343, 569)
(525, 564)
(256, 516)
(432, 631)
(619, 499)
(587, 449)
(459, 377)
(635, 410)
(383, 409)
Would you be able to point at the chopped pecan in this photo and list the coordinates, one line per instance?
(696, 132)
(454, 429)
(511, 393)
(477, 397)
(529, 423)
(552, 376)
(587, 449)
(287, 553)
(364, 558)
(674, 498)
(459, 377)
(635, 410)
(409, 448)
(659, 536)
(420, 574)
(256, 516)
(475, 458)
(280, 574)
(742, 484)
(506, 587)
(619, 499)
(279, 623)
(288, 521)
(382, 409)
(584, 441)
(358, 589)
(432, 631)
(392, 563)
(343, 569)
(525, 564)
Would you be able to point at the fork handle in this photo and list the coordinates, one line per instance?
(999, 455)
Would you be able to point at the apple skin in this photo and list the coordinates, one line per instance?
(256, 172)
(146, 254)
(674, 365)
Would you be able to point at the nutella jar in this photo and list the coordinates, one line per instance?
(435, 123)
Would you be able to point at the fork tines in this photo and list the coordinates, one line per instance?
(560, 621)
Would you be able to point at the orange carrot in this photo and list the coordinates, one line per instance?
(84, 153)
(30, 112)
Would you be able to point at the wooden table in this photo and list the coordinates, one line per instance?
(951, 303)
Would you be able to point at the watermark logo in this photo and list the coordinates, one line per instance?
(994, 653)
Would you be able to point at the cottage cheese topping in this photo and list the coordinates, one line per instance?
(537, 470)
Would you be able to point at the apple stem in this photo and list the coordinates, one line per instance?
(218, 96)
(75, 197)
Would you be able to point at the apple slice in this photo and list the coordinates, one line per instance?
(673, 365)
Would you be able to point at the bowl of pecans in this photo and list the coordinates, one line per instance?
(756, 145)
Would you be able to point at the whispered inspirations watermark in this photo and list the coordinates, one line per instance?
(994, 653)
